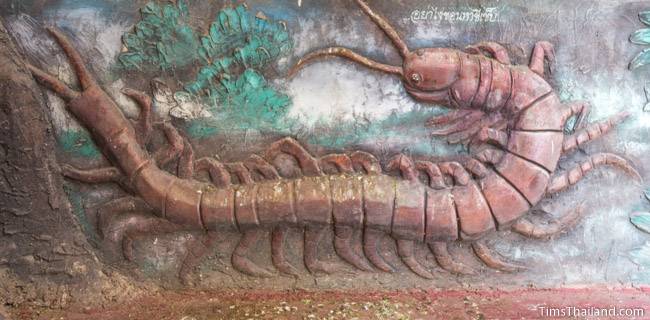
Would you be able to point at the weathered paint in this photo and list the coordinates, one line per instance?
(78, 143)
(76, 198)
(395, 128)
(246, 102)
(163, 38)
(201, 128)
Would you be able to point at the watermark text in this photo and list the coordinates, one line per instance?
(582, 312)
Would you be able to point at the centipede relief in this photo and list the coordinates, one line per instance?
(509, 116)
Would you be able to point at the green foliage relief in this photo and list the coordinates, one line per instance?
(163, 38)
(642, 37)
(238, 40)
(641, 254)
(237, 47)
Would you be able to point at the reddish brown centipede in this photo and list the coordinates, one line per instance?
(509, 115)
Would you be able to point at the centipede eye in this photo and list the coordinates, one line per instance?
(416, 77)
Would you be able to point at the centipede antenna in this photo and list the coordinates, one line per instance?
(386, 27)
(344, 53)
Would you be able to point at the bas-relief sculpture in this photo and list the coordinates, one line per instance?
(509, 116)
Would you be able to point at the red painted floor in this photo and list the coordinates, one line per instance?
(581, 303)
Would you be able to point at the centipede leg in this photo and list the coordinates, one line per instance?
(494, 136)
(219, 175)
(370, 249)
(476, 168)
(579, 109)
(197, 249)
(186, 161)
(110, 228)
(171, 151)
(239, 259)
(365, 161)
(564, 180)
(313, 235)
(543, 51)
(497, 51)
(450, 117)
(490, 155)
(492, 260)
(144, 125)
(468, 135)
(446, 261)
(456, 171)
(341, 162)
(118, 228)
(108, 174)
(241, 172)
(258, 164)
(468, 122)
(107, 212)
(436, 180)
(307, 162)
(463, 136)
(343, 236)
(406, 251)
(277, 252)
(591, 132)
(405, 165)
(143, 225)
(536, 231)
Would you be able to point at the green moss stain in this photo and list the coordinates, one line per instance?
(78, 143)
(75, 196)
(163, 38)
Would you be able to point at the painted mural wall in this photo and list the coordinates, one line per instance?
(217, 72)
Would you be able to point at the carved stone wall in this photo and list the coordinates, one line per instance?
(217, 74)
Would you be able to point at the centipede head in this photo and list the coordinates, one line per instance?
(426, 73)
